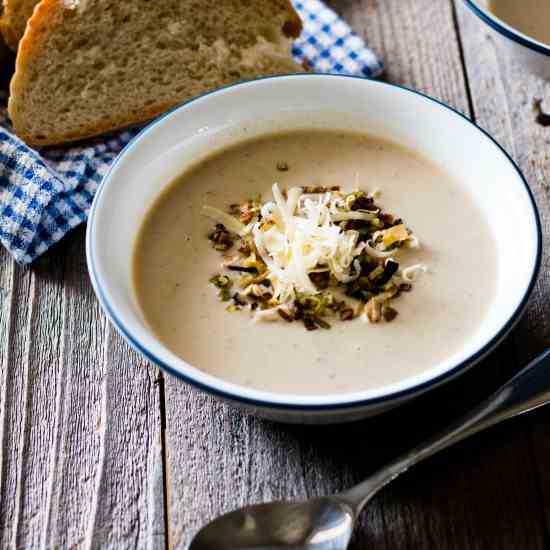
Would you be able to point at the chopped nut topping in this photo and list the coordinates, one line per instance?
(347, 314)
(374, 310)
(301, 253)
(389, 313)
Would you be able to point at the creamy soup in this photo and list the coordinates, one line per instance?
(531, 17)
(174, 261)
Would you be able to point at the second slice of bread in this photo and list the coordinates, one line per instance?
(13, 20)
(85, 67)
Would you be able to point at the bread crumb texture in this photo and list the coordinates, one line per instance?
(85, 67)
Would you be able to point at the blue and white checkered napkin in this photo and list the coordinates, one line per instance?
(45, 193)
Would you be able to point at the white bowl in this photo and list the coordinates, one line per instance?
(530, 53)
(192, 131)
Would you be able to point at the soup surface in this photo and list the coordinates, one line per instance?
(174, 261)
(531, 17)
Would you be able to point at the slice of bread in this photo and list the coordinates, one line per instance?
(13, 20)
(85, 67)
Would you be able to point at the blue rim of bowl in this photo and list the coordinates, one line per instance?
(265, 404)
(506, 30)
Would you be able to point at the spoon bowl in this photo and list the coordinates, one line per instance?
(320, 524)
(327, 523)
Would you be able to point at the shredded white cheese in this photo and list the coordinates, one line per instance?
(303, 238)
(411, 274)
(375, 253)
(219, 216)
(304, 232)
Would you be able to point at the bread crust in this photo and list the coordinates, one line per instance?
(32, 42)
(293, 26)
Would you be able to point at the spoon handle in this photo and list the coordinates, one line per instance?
(528, 390)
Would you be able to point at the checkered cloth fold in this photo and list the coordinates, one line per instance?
(45, 193)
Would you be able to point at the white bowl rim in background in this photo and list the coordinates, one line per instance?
(273, 401)
(506, 30)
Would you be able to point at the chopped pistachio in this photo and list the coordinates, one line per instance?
(312, 305)
(316, 189)
(374, 310)
(377, 223)
(376, 272)
(224, 294)
(221, 281)
(364, 283)
(391, 288)
(222, 239)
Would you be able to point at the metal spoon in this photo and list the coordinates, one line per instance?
(327, 523)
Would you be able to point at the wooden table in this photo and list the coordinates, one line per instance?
(99, 449)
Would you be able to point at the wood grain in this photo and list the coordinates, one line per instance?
(219, 459)
(416, 39)
(503, 93)
(81, 462)
(80, 413)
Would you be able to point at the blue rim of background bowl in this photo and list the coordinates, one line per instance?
(506, 30)
(264, 404)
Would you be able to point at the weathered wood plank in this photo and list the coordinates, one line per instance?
(14, 297)
(219, 459)
(417, 41)
(503, 93)
(81, 463)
